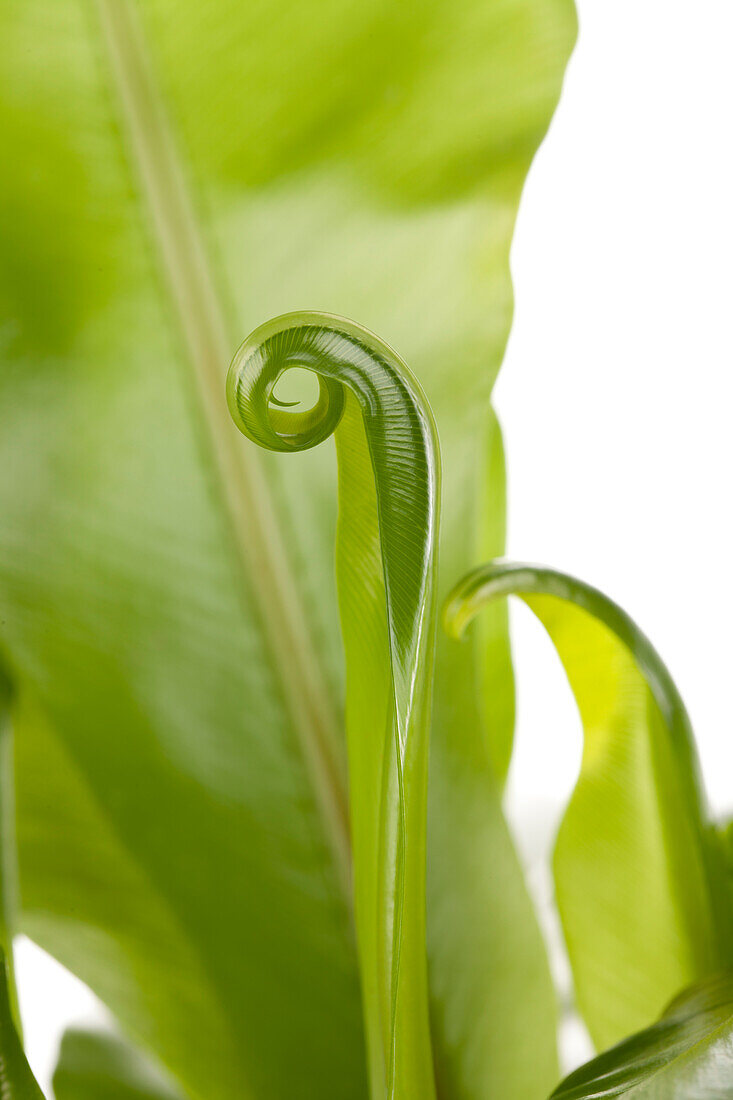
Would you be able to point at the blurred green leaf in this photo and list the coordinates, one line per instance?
(168, 604)
(687, 1055)
(639, 883)
(16, 1079)
(99, 1066)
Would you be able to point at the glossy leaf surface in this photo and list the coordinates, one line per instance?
(173, 637)
(639, 883)
(98, 1066)
(386, 570)
(687, 1055)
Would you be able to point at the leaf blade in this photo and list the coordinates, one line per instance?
(639, 884)
(244, 489)
(389, 492)
(687, 1055)
(120, 626)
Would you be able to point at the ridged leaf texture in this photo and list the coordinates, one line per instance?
(386, 569)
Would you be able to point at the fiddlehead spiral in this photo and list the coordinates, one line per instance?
(402, 440)
(259, 363)
(386, 565)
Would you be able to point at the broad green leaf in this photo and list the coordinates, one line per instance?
(687, 1055)
(99, 1066)
(120, 933)
(168, 606)
(639, 883)
(386, 559)
(16, 1079)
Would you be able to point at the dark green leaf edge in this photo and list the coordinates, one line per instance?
(680, 1053)
(500, 579)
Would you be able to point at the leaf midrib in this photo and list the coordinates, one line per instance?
(241, 480)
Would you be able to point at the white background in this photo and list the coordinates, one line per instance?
(616, 393)
(615, 399)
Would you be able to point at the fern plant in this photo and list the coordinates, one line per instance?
(257, 807)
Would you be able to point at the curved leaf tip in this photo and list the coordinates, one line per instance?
(389, 484)
(401, 436)
(293, 340)
(636, 847)
(497, 579)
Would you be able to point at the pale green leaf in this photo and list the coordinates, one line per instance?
(687, 1055)
(639, 884)
(168, 611)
